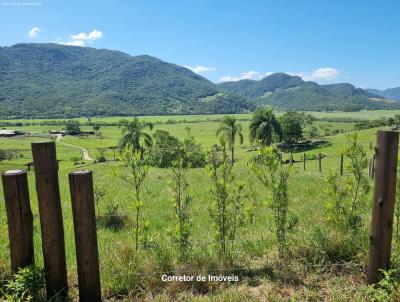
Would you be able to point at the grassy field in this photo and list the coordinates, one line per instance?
(306, 274)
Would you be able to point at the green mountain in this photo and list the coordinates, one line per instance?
(51, 80)
(391, 93)
(284, 92)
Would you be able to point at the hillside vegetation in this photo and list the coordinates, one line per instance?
(284, 91)
(50, 80)
(59, 81)
(391, 93)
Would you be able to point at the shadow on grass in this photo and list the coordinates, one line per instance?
(304, 146)
(113, 222)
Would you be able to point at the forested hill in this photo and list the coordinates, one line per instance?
(51, 80)
(284, 91)
(392, 93)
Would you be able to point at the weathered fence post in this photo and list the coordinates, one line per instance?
(304, 161)
(341, 164)
(373, 166)
(383, 204)
(51, 221)
(370, 168)
(81, 188)
(19, 217)
(319, 162)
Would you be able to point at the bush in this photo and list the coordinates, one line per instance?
(26, 285)
(167, 150)
(266, 166)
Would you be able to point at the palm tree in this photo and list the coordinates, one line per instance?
(228, 130)
(133, 135)
(264, 127)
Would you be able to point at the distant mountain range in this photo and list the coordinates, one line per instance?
(58, 81)
(284, 91)
(391, 93)
(51, 80)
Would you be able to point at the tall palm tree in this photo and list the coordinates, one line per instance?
(133, 134)
(264, 127)
(228, 131)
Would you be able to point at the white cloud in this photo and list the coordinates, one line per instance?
(81, 38)
(33, 33)
(200, 69)
(249, 75)
(320, 74)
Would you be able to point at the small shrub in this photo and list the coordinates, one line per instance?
(347, 194)
(266, 166)
(181, 200)
(228, 199)
(26, 285)
(138, 169)
(387, 289)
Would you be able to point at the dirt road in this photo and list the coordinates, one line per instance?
(85, 152)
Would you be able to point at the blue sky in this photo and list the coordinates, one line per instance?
(324, 41)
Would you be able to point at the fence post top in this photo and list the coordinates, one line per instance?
(388, 132)
(13, 172)
(80, 172)
(43, 143)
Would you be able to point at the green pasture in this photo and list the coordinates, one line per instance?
(308, 190)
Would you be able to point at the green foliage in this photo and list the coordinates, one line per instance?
(268, 169)
(228, 131)
(265, 129)
(133, 135)
(138, 172)
(285, 92)
(73, 127)
(383, 121)
(256, 89)
(96, 128)
(96, 82)
(292, 130)
(347, 194)
(195, 156)
(228, 199)
(181, 201)
(26, 285)
(168, 149)
(3, 155)
(387, 289)
(313, 132)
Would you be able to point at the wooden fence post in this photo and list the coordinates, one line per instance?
(304, 161)
(51, 221)
(383, 204)
(81, 188)
(373, 166)
(370, 168)
(341, 164)
(291, 159)
(19, 217)
(319, 162)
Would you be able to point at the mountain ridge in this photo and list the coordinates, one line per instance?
(391, 93)
(42, 80)
(284, 91)
(68, 81)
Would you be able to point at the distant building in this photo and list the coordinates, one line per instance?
(7, 133)
(62, 132)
